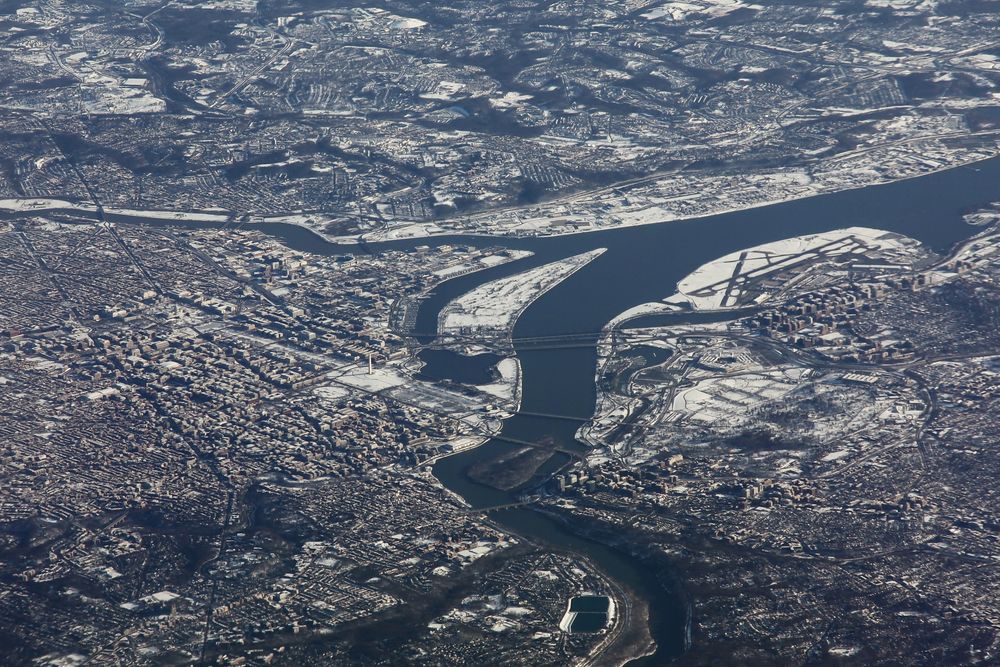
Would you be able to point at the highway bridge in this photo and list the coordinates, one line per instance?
(534, 445)
(497, 508)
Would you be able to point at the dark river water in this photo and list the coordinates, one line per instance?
(644, 264)
(447, 365)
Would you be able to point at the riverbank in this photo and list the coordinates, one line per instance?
(438, 231)
(486, 315)
(555, 337)
(642, 266)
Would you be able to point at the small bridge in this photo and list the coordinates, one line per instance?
(497, 508)
(546, 415)
(534, 445)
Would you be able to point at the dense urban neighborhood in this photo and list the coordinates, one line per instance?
(639, 332)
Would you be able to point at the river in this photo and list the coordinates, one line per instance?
(644, 264)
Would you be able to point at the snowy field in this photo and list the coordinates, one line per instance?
(482, 263)
(40, 205)
(678, 11)
(491, 309)
(719, 284)
(720, 398)
(507, 387)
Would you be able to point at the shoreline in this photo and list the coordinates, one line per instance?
(217, 217)
(504, 340)
(625, 600)
(495, 239)
(364, 238)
